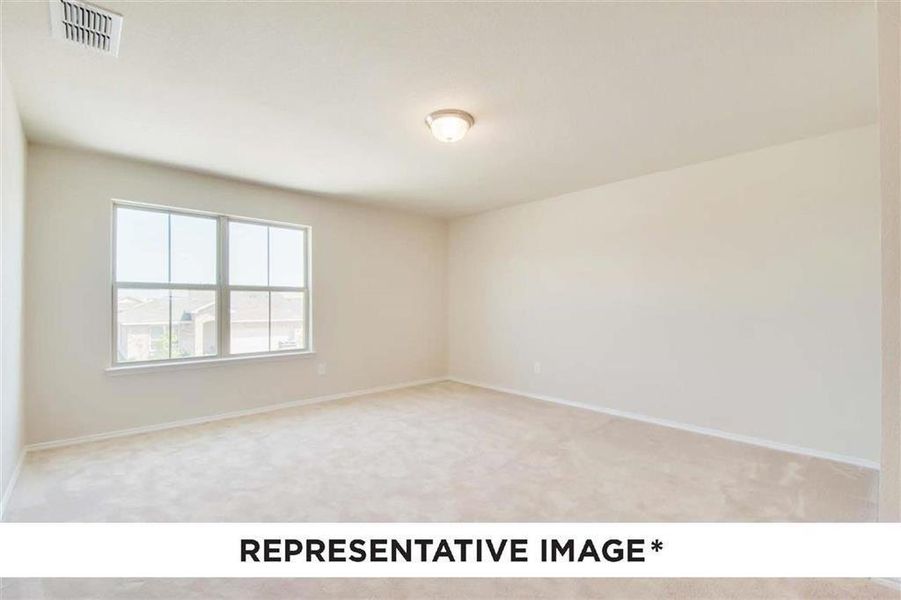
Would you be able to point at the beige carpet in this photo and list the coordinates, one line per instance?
(450, 589)
(442, 452)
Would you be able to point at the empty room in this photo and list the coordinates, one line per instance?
(606, 294)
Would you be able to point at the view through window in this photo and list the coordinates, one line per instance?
(191, 285)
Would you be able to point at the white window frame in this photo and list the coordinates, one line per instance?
(222, 288)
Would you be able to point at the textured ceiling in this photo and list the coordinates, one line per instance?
(330, 98)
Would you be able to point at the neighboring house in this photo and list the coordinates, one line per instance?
(144, 332)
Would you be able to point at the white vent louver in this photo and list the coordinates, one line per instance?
(86, 25)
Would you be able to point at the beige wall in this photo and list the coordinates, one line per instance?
(890, 168)
(379, 298)
(12, 213)
(740, 294)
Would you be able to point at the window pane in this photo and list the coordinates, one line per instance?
(194, 331)
(286, 257)
(247, 254)
(193, 249)
(142, 325)
(142, 245)
(249, 322)
(287, 332)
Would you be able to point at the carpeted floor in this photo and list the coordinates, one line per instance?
(449, 589)
(441, 452)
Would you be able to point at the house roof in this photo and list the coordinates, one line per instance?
(135, 308)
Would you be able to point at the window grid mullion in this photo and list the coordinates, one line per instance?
(268, 285)
(169, 249)
(224, 305)
(262, 288)
(150, 285)
(170, 320)
(169, 278)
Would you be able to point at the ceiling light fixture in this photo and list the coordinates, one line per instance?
(449, 125)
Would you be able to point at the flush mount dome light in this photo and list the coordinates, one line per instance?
(449, 125)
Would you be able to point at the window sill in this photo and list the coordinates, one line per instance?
(203, 362)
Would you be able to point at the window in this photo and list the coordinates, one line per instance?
(190, 286)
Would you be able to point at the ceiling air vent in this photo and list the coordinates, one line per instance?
(86, 25)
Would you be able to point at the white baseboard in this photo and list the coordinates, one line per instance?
(859, 462)
(734, 437)
(221, 416)
(8, 492)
